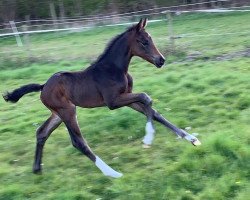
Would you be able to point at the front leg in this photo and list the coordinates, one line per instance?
(142, 98)
(159, 118)
(125, 99)
(180, 132)
(149, 129)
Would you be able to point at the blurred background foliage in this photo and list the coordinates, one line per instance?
(39, 9)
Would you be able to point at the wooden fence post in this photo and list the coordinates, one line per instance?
(27, 41)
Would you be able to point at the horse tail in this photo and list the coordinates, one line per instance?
(15, 95)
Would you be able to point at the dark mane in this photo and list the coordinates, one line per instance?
(111, 43)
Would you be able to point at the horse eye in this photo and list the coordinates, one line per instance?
(145, 43)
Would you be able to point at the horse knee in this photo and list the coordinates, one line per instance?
(145, 98)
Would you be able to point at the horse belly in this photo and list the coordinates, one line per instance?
(88, 97)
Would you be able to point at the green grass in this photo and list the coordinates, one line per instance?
(210, 95)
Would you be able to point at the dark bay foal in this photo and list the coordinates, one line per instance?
(105, 83)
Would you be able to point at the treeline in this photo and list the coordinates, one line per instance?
(43, 9)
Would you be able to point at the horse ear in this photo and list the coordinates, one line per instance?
(145, 22)
(140, 25)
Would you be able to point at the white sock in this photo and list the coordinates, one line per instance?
(149, 137)
(189, 137)
(192, 139)
(106, 170)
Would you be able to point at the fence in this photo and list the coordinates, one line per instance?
(22, 30)
(65, 24)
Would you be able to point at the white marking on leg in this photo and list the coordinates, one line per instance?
(106, 170)
(149, 137)
(192, 139)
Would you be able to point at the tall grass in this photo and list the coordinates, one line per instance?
(209, 95)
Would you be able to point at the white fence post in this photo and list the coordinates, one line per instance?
(62, 14)
(53, 13)
(15, 31)
(171, 32)
(27, 41)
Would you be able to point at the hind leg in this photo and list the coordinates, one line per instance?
(42, 134)
(68, 115)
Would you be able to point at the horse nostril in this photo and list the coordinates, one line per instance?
(159, 61)
(162, 60)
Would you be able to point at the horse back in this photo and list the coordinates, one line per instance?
(76, 88)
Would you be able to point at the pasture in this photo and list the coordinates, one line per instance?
(205, 85)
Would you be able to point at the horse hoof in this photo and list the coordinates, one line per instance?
(146, 146)
(116, 175)
(105, 169)
(196, 142)
(37, 171)
(191, 138)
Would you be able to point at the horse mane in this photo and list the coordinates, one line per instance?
(111, 43)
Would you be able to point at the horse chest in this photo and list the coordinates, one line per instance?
(121, 83)
(113, 80)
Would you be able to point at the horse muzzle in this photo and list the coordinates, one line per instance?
(159, 61)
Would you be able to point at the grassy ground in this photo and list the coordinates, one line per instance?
(210, 94)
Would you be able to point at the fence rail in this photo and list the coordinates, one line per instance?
(62, 24)
(23, 29)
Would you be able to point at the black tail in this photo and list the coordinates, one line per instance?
(18, 93)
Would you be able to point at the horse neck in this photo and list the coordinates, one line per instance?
(118, 55)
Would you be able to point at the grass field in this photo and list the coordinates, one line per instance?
(205, 86)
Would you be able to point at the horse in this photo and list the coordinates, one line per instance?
(106, 82)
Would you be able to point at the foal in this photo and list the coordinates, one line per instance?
(105, 83)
